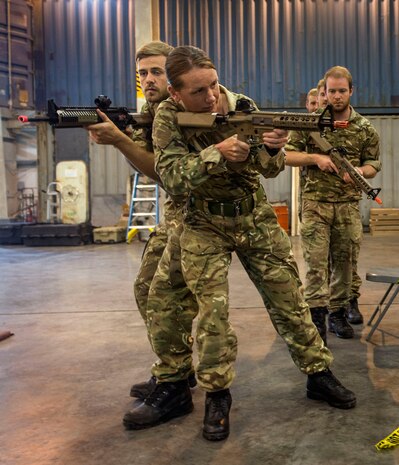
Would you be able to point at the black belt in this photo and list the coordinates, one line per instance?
(230, 208)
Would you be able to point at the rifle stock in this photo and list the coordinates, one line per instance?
(339, 159)
(77, 117)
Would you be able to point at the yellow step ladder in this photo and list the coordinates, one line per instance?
(144, 206)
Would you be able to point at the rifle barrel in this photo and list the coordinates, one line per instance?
(33, 119)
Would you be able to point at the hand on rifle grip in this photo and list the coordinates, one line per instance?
(233, 149)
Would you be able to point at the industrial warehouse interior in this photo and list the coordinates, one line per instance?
(79, 344)
(86, 212)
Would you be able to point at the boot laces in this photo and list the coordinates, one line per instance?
(219, 406)
(339, 315)
(330, 381)
(158, 394)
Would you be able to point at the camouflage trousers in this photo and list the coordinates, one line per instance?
(152, 254)
(155, 255)
(331, 233)
(356, 279)
(264, 249)
(171, 309)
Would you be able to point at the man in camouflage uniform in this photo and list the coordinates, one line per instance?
(322, 100)
(217, 176)
(353, 314)
(331, 227)
(311, 100)
(137, 148)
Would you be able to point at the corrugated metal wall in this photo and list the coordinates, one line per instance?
(388, 129)
(272, 50)
(16, 66)
(276, 50)
(89, 49)
(109, 170)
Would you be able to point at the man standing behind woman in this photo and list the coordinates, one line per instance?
(331, 228)
(353, 314)
(137, 148)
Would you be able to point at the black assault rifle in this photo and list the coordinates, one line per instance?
(77, 117)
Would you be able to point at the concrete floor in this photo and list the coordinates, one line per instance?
(79, 344)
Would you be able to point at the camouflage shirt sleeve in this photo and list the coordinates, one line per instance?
(270, 167)
(143, 136)
(370, 155)
(180, 168)
(297, 141)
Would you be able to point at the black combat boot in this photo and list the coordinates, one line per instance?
(338, 324)
(325, 386)
(353, 314)
(166, 401)
(319, 319)
(216, 420)
(144, 389)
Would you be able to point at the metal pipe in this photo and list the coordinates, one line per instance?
(9, 54)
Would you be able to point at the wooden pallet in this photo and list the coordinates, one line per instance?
(384, 221)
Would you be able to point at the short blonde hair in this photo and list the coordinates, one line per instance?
(154, 48)
(321, 85)
(312, 93)
(339, 72)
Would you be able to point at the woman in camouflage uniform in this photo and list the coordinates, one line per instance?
(217, 176)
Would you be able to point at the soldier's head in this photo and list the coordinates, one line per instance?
(339, 87)
(321, 94)
(193, 80)
(150, 63)
(311, 100)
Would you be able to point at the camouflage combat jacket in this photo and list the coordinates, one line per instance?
(143, 136)
(188, 161)
(361, 142)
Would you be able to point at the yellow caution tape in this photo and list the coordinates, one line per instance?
(131, 234)
(139, 91)
(390, 441)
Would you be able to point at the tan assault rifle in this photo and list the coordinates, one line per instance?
(250, 124)
(338, 156)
